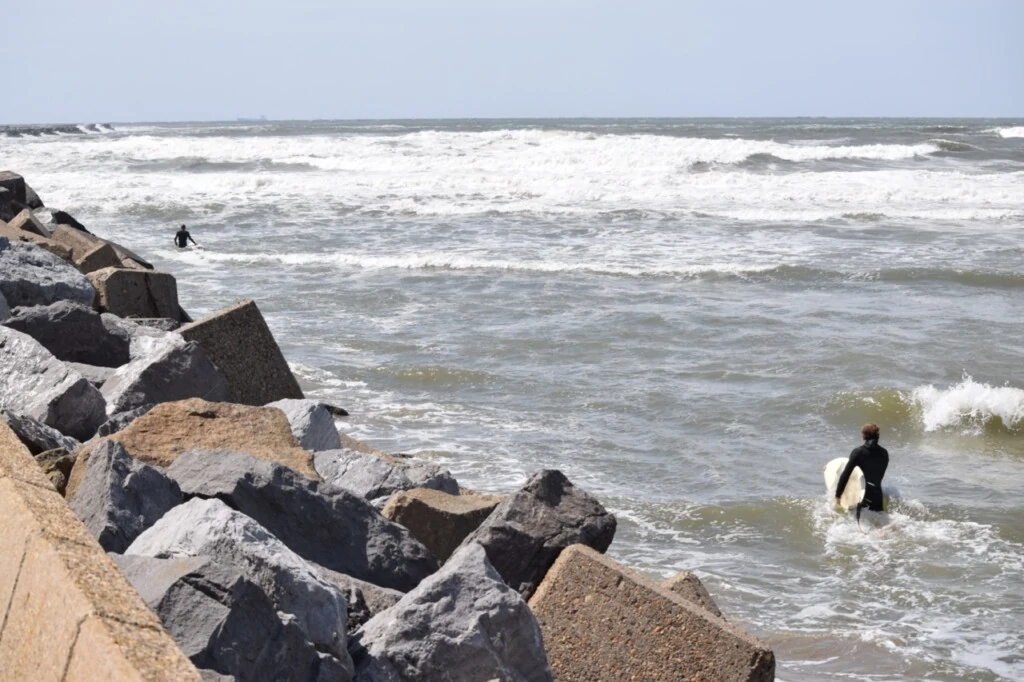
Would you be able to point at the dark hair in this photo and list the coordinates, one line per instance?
(183, 227)
(869, 431)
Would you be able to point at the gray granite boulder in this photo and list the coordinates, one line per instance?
(120, 420)
(377, 477)
(311, 422)
(31, 275)
(72, 332)
(326, 525)
(40, 386)
(462, 623)
(365, 600)
(226, 624)
(209, 528)
(119, 496)
(95, 375)
(35, 435)
(525, 533)
(164, 370)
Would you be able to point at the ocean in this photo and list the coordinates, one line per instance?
(687, 317)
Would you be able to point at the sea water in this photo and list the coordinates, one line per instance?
(687, 317)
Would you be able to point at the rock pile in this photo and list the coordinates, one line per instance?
(268, 544)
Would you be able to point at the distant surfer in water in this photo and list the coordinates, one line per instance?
(873, 460)
(182, 238)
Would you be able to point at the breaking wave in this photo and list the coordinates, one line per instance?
(1016, 131)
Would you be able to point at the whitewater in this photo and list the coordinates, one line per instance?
(687, 317)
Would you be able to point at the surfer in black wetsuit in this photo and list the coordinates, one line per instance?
(182, 238)
(873, 460)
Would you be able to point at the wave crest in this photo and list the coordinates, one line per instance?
(971, 407)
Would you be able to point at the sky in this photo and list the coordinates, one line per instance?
(191, 60)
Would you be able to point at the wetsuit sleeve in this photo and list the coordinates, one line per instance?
(845, 476)
(192, 240)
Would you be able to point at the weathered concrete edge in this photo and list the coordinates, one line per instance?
(66, 610)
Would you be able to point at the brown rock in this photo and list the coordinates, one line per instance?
(79, 242)
(239, 342)
(27, 222)
(438, 520)
(689, 586)
(603, 622)
(50, 245)
(56, 465)
(171, 429)
(102, 256)
(136, 293)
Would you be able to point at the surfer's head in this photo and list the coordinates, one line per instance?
(869, 431)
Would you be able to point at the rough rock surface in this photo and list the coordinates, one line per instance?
(36, 436)
(15, 184)
(226, 624)
(27, 222)
(210, 528)
(603, 622)
(101, 256)
(31, 275)
(462, 623)
(325, 525)
(170, 429)
(94, 374)
(689, 586)
(121, 420)
(56, 465)
(16, 236)
(525, 534)
(379, 476)
(437, 519)
(5, 310)
(40, 386)
(136, 293)
(120, 497)
(72, 332)
(365, 600)
(164, 370)
(311, 422)
(239, 341)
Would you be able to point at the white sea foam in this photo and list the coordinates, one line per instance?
(1016, 131)
(969, 406)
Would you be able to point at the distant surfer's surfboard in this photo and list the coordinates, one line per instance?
(854, 491)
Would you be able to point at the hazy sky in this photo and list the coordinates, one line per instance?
(134, 60)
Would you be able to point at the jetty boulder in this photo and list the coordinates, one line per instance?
(311, 422)
(587, 601)
(15, 184)
(210, 528)
(376, 477)
(31, 275)
(225, 623)
(439, 520)
(72, 332)
(5, 310)
(525, 534)
(168, 430)
(136, 293)
(101, 256)
(325, 525)
(165, 369)
(27, 222)
(365, 600)
(462, 623)
(50, 245)
(40, 386)
(35, 435)
(239, 341)
(689, 587)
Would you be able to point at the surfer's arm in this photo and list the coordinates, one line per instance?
(192, 240)
(845, 476)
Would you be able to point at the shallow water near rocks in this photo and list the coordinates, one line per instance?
(688, 317)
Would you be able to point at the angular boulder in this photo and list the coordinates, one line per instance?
(689, 587)
(31, 275)
(170, 429)
(136, 293)
(56, 466)
(27, 222)
(53, 247)
(239, 341)
(225, 623)
(325, 525)
(365, 600)
(311, 422)
(121, 420)
(120, 497)
(5, 310)
(101, 256)
(166, 370)
(32, 199)
(15, 184)
(40, 386)
(525, 534)
(604, 622)
(462, 623)
(378, 476)
(72, 332)
(35, 435)
(209, 528)
(78, 242)
(94, 374)
(439, 520)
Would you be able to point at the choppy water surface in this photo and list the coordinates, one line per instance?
(687, 317)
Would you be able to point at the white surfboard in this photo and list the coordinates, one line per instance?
(854, 491)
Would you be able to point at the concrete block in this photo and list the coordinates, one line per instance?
(101, 256)
(27, 222)
(440, 521)
(136, 293)
(689, 586)
(603, 622)
(239, 342)
(77, 241)
(50, 245)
